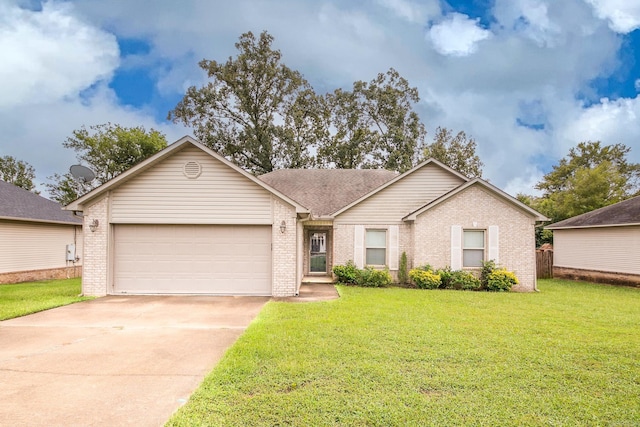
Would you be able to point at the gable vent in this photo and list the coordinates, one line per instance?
(192, 170)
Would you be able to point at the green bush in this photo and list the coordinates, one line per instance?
(487, 269)
(372, 278)
(403, 277)
(424, 279)
(347, 274)
(501, 280)
(464, 280)
(445, 277)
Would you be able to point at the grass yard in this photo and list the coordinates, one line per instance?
(25, 298)
(569, 355)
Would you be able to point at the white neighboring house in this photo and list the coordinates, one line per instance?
(599, 246)
(38, 239)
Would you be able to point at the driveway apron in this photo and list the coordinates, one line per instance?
(114, 360)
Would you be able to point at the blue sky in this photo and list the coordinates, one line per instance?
(527, 79)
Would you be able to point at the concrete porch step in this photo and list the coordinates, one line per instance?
(316, 279)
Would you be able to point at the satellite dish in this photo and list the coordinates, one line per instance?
(82, 173)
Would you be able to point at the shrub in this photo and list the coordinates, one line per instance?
(403, 277)
(487, 268)
(500, 280)
(372, 278)
(464, 280)
(347, 274)
(424, 279)
(445, 277)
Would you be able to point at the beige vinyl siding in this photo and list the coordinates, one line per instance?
(402, 197)
(26, 246)
(164, 194)
(611, 249)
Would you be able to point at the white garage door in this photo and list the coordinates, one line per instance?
(192, 259)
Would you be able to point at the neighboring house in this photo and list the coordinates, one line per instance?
(600, 246)
(38, 239)
(188, 221)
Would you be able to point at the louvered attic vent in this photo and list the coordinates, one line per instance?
(192, 169)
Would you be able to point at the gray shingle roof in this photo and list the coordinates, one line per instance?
(18, 203)
(621, 213)
(324, 191)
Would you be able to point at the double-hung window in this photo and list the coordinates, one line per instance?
(376, 247)
(473, 248)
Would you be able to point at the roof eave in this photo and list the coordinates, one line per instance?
(571, 227)
(47, 221)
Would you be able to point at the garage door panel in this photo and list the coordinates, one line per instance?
(192, 259)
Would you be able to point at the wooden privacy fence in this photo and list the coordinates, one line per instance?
(544, 264)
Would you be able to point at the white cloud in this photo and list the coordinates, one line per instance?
(609, 121)
(457, 35)
(50, 54)
(623, 15)
(410, 11)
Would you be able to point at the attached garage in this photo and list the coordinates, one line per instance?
(192, 259)
(188, 221)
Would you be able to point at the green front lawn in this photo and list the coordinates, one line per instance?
(569, 355)
(25, 298)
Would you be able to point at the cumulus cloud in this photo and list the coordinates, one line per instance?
(410, 11)
(609, 121)
(457, 35)
(50, 54)
(623, 15)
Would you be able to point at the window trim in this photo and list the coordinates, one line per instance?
(483, 248)
(385, 247)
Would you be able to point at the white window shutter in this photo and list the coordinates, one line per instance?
(358, 246)
(394, 247)
(494, 250)
(456, 247)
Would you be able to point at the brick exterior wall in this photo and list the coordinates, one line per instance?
(475, 208)
(343, 243)
(36, 275)
(284, 251)
(96, 249)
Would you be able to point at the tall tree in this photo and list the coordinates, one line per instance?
(350, 142)
(18, 172)
(108, 150)
(375, 125)
(253, 109)
(458, 152)
(591, 176)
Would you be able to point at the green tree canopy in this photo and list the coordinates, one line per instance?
(108, 150)
(254, 110)
(591, 176)
(374, 125)
(458, 152)
(18, 172)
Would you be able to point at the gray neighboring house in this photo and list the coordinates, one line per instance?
(600, 246)
(188, 221)
(38, 239)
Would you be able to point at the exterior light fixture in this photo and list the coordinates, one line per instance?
(94, 225)
(283, 226)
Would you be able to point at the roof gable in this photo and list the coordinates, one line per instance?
(485, 185)
(19, 204)
(164, 154)
(626, 212)
(401, 177)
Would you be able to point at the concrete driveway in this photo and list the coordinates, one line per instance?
(114, 360)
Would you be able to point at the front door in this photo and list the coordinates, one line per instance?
(318, 252)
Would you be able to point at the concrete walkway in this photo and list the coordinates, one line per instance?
(114, 361)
